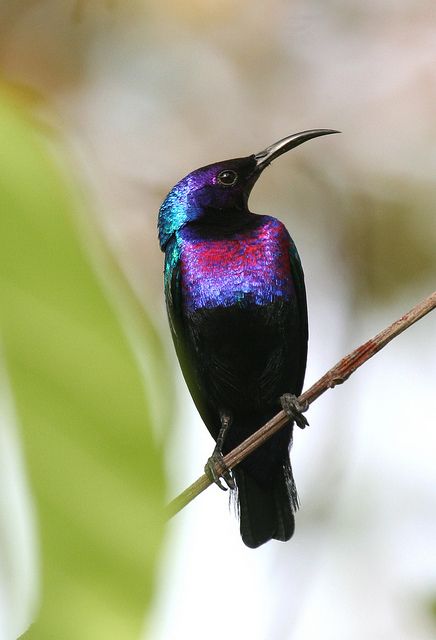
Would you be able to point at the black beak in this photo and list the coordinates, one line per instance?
(263, 158)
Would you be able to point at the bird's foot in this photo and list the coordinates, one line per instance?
(294, 409)
(215, 469)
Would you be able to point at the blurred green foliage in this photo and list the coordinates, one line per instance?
(389, 240)
(94, 464)
(432, 610)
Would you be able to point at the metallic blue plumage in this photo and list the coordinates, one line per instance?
(189, 200)
(177, 209)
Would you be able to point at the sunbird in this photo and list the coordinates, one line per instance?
(236, 303)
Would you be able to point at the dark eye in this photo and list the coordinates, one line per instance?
(228, 178)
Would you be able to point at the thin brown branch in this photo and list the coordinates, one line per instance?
(336, 375)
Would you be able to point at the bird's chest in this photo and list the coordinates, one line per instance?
(244, 270)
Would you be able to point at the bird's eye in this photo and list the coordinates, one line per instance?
(228, 178)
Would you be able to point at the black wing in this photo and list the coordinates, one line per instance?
(299, 363)
(182, 339)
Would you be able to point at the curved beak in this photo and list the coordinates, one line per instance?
(263, 158)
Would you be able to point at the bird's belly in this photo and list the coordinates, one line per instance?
(245, 353)
(223, 273)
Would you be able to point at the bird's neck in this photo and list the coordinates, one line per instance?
(223, 222)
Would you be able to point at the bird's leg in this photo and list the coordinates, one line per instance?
(294, 409)
(215, 468)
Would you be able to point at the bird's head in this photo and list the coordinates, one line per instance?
(219, 190)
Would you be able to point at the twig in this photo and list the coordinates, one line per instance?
(337, 375)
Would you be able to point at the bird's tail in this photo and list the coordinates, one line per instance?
(266, 512)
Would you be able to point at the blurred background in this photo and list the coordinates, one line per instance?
(118, 101)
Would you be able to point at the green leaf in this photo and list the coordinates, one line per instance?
(94, 464)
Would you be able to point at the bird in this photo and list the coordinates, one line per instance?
(236, 303)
